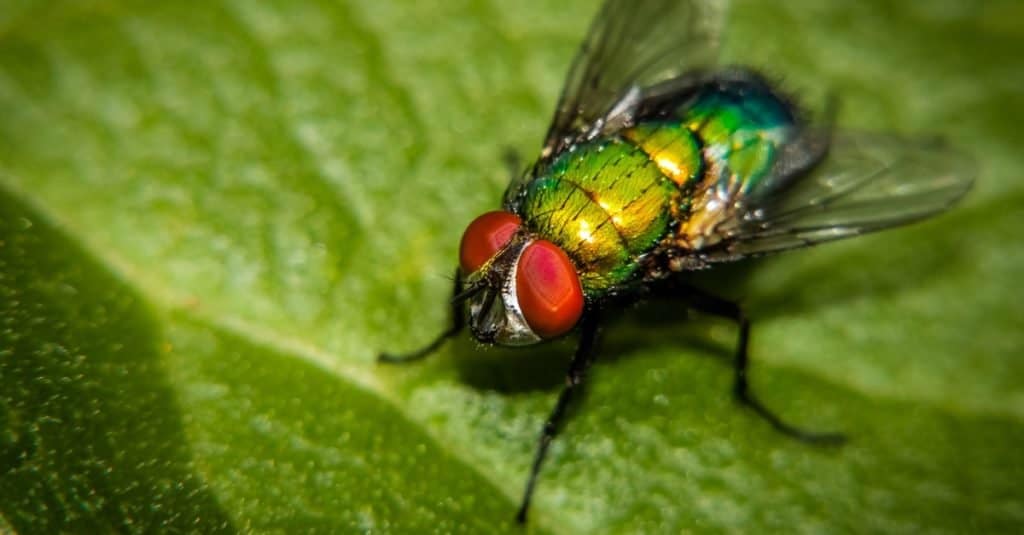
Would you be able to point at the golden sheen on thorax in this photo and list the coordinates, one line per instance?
(605, 203)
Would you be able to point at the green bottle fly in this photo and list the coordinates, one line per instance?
(659, 161)
(619, 205)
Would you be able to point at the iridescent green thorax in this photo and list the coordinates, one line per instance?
(610, 202)
(605, 203)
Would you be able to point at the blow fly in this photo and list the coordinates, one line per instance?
(659, 162)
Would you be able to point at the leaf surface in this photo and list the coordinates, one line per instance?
(212, 219)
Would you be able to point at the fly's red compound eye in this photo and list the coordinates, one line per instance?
(548, 288)
(484, 237)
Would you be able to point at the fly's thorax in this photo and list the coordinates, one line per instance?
(525, 291)
(606, 204)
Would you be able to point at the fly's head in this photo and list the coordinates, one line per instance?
(521, 289)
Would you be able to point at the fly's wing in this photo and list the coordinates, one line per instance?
(632, 47)
(866, 182)
(637, 55)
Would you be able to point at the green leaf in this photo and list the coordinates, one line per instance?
(213, 217)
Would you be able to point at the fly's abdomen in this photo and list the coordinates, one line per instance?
(719, 146)
(605, 203)
(741, 127)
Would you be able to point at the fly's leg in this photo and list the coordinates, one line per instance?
(578, 367)
(723, 308)
(458, 320)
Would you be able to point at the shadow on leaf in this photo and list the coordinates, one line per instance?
(92, 436)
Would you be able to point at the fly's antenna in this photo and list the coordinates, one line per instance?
(469, 291)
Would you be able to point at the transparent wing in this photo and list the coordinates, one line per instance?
(632, 46)
(866, 183)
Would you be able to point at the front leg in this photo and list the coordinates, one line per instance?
(458, 322)
(578, 367)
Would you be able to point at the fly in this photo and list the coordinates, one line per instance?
(658, 162)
